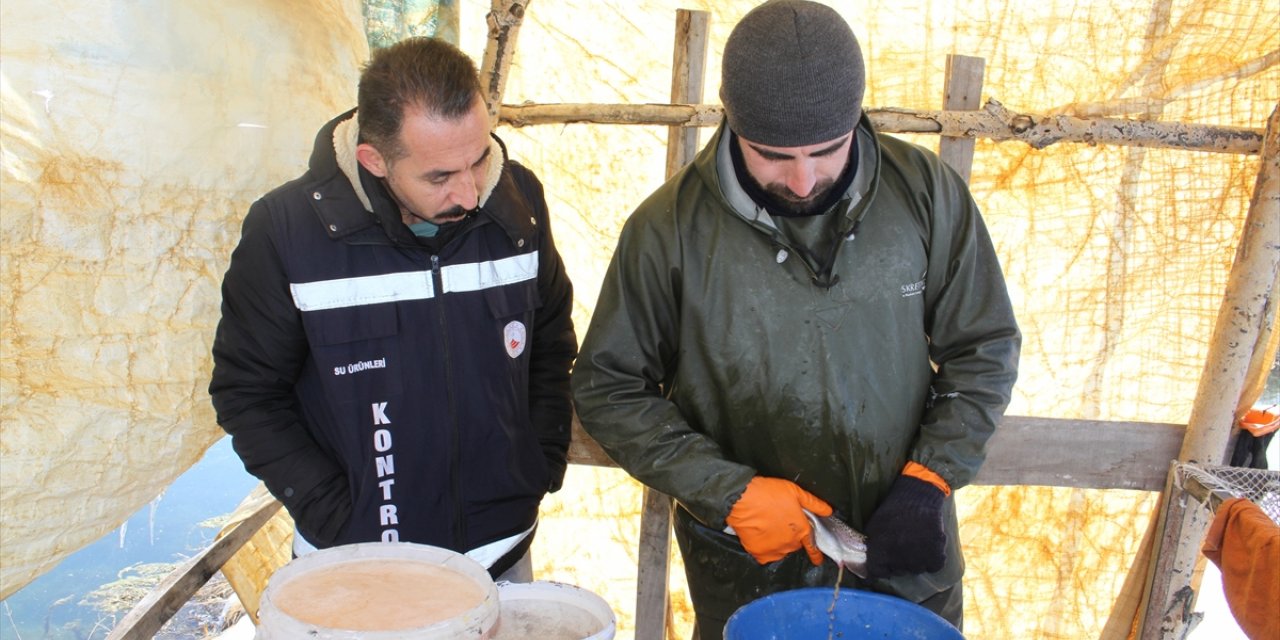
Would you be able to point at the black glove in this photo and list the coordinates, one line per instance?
(905, 533)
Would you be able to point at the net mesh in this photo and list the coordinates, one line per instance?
(1259, 486)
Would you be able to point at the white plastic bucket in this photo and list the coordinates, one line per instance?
(379, 591)
(549, 610)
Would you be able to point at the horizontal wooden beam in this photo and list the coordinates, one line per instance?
(1087, 454)
(584, 449)
(993, 122)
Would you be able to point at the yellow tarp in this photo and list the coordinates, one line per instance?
(126, 173)
(133, 137)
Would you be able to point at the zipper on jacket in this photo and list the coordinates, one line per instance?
(455, 437)
(779, 239)
(834, 279)
(786, 247)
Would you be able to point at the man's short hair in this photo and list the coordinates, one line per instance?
(415, 73)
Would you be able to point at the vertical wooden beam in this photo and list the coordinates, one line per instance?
(504, 19)
(653, 564)
(1169, 606)
(653, 597)
(962, 92)
(688, 75)
(1242, 314)
(1231, 347)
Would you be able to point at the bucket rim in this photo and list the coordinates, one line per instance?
(547, 591)
(598, 605)
(483, 616)
(846, 594)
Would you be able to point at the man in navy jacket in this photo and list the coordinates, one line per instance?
(394, 350)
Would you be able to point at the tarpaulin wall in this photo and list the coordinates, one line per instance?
(133, 136)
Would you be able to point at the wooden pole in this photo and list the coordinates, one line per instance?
(962, 92)
(1231, 346)
(688, 75)
(504, 19)
(149, 615)
(993, 122)
(653, 567)
(653, 596)
(1242, 314)
(1168, 603)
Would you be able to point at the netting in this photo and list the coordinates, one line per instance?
(1259, 486)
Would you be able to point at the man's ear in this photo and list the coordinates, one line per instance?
(371, 159)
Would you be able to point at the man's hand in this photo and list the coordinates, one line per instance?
(769, 519)
(905, 534)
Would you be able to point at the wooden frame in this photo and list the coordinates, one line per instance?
(993, 122)
(1087, 454)
(149, 615)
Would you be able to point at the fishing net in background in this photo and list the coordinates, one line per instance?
(1227, 515)
(1210, 485)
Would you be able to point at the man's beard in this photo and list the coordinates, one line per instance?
(445, 216)
(782, 199)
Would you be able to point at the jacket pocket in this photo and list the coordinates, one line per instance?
(356, 350)
(512, 308)
(510, 441)
(514, 299)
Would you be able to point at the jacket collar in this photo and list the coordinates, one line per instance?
(333, 161)
(715, 164)
(346, 136)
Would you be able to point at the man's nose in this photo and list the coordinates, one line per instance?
(464, 192)
(801, 177)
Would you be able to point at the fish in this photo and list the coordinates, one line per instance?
(840, 542)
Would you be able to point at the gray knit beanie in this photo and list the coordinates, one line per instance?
(792, 75)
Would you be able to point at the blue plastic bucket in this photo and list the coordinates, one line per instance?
(802, 614)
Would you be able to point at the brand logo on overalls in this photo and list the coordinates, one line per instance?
(513, 338)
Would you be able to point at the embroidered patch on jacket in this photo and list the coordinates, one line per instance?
(513, 338)
(914, 289)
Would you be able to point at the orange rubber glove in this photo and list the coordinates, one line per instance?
(769, 521)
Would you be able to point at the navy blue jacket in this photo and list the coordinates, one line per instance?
(385, 387)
